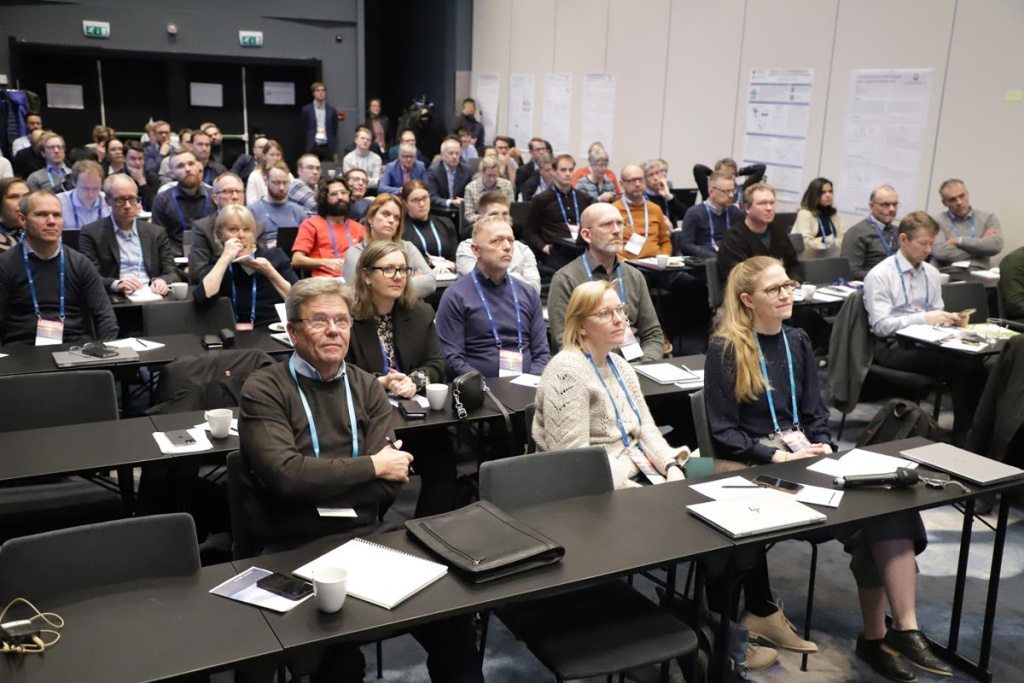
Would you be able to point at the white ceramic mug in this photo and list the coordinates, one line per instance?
(330, 588)
(179, 290)
(663, 260)
(437, 396)
(808, 291)
(219, 421)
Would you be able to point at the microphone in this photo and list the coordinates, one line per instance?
(901, 478)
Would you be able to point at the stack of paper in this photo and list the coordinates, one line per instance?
(665, 373)
(738, 487)
(202, 443)
(859, 461)
(696, 383)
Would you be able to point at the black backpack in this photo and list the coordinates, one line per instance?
(898, 419)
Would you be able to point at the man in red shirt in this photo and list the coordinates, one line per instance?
(323, 240)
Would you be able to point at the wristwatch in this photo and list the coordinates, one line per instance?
(419, 378)
(676, 465)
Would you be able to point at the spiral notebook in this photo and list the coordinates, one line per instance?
(377, 574)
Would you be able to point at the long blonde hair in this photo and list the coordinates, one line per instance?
(737, 326)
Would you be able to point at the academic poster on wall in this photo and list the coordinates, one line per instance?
(883, 136)
(557, 108)
(778, 116)
(486, 96)
(598, 115)
(520, 108)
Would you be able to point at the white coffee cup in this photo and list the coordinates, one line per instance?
(663, 260)
(219, 420)
(808, 291)
(437, 396)
(944, 278)
(330, 588)
(179, 290)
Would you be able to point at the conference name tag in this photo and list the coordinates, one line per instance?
(49, 332)
(510, 363)
(795, 439)
(574, 231)
(631, 349)
(636, 243)
(646, 467)
(243, 327)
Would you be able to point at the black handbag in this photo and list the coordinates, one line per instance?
(468, 393)
(481, 543)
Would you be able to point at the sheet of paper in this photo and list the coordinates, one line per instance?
(992, 330)
(446, 277)
(487, 93)
(206, 94)
(860, 461)
(598, 112)
(728, 488)
(144, 295)
(244, 589)
(557, 109)
(64, 96)
(232, 432)
(135, 343)
(167, 448)
(961, 264)
(520, 106)
(819, 495)
(962, 345)
(4, 355)
(665, 373)
(926, 333)
(278, 92)
(336, 512)
(690, 384)
(992, 274)
(527, 380)
(827, 466)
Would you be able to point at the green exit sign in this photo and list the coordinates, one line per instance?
(250, 38)
(96, 29)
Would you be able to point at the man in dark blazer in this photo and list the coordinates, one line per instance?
(128, 253)
(246, 163)
(447, 178)
(320, 121)
(538, 148)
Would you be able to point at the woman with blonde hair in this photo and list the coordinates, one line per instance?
(589, 396)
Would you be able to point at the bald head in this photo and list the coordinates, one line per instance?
(632, 178)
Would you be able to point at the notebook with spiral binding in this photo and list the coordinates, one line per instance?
(377, 574)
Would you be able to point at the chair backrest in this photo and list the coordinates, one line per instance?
(286, 239)
(241, 537)
(687, 196)
(213, 380)
(716, 292)
(49, 399)
(537, 478)
(825, 271)
(958, 296)
(185, 317)
(518, 212)
(528, 413)
(786, 219)
(700, 424)
(57, 563)
(798, 241)
(71, 238)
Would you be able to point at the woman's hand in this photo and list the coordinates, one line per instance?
(809, 452)
(233, 248)
(674, 474)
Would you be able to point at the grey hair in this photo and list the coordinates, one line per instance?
(874, 192)
(112, 180)
(407, 147)
(649, 164)
(312, 287)
(597, 153)
(948, 183)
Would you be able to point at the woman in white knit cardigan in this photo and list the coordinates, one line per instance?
(589, 396)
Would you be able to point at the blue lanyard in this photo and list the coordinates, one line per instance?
(618, 274)
(74, 210)
(647, 224)
(57, 187)
(32, 284)
(618, 417)
(490, 318)
(575, 203)
(423, 242)
(874, 224)
(234, 295)
(309, 413)
(824, 235)
(384, 353)
(952, 219)
(181, 216)
(266, 213)
(768, 383)
(139, 268)
(334, 242)
(711, 222)
(906, 297)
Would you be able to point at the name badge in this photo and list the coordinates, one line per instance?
(510, 363)
(49, 332)
(631, 349)
(795, 439)
(574, 231)
(636, 243)
(243, 327)
(646, 467)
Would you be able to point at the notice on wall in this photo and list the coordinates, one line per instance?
(520, 108)
(207, 94)
(64, 96)
(883, 135)
(598, 115)
(778, 116)
(557, 108)
(486, 94)
(278, 92)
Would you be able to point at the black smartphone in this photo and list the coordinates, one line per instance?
(411, 410)
(285, 586)
(212, 341)
(98, 351)
(180, 437)
(777, 484)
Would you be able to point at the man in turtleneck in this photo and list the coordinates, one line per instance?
(553, 222)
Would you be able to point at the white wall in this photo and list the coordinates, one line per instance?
(682, 68)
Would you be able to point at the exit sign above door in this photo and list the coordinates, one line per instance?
(250, 38)
(96, 29)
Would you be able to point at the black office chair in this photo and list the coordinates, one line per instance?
(716, 294)
(528, 413)
(825, 271)
(185, 317)
(286, 239)
(518, 211)
(242, 545)
(57, 563)
(786, 219)
(687, 196)
(798, 241)
(621, 629)
(959, 296)
(71, 238)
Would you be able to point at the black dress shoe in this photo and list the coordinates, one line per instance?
(884, 661)
(914, 646)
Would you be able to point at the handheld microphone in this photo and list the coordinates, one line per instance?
(901, 478)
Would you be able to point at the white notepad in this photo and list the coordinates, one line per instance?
(665, 373)
(376, 574)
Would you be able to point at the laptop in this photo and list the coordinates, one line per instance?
(756, 514)
(74, 359)
(962, 464)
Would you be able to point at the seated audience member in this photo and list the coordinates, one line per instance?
(202, 148)
(32, 122)
(48, 294)
(256, 185)
(553, 221)
(84, 204)
(406, 136)
(538, 148)
(589, 396)
(216, 142)
(55, 176)
(349, 463)
(658, 190)
(178, 207)
(761, 386)
(128, 253)
(29, 159)
(362, 158)
(634, 207)
(595, 149)
(507, 165)
(965, 234)
(114, 162)
(403, 169)
(524, 263)
(874, 239)
(596, 183)
(378, 124)
(165, 175)
(447, 178)
(757, 235)
(489, 180)
(1011, 281)
(159, 146)
(434, 236)
(302, 190)
(255, 284)
(11, 224)
(247, 163)
(468, 143)
(752, 175)
(356, 181)
(467, 120)
(134, 167)
(905, 290)
(322, 240)
(705, 224)
(817, 220)
(602, 231)
(227, 191)
(384, 222)
(275, 210)
(486, 321)
(540, 181)
(6, 170)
